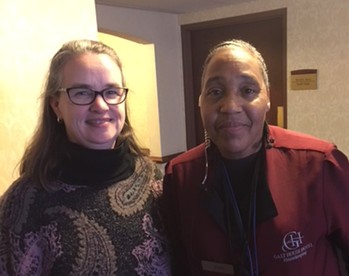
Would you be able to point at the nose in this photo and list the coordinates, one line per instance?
(231, 103)
(99, 104)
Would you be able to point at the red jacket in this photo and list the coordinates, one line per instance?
(309, 184)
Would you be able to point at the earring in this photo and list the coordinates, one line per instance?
(207, 145)
(59, 120)
(207, 139)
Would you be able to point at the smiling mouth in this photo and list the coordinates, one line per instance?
(98, 121)
(232, 125)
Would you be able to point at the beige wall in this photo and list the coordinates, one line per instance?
(31, 32)
(317, 38)
(161, 30)
(138, 61)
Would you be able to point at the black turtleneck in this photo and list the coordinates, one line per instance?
(241, 172)
(84, 166)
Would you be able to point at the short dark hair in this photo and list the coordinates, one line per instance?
(237, 43)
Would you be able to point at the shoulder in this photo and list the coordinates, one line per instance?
(16, 200)
(146, 164)
(288, 139)
(17, 191)
(192, 156)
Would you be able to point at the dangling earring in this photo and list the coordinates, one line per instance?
(59, 120)
(207, 139)
(207, 145)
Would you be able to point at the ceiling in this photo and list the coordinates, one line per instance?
(169, 6)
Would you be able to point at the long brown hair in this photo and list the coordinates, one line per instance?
(48, 144)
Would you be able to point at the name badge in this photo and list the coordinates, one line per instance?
(217, 267)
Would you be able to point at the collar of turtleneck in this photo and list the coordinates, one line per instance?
(84, 166)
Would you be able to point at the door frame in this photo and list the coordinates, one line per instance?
(189, 95)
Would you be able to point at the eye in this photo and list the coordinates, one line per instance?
(79, 92)
(215, 92)
(250, 92)
(112, 92)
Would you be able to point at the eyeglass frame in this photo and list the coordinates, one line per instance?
(68, 89)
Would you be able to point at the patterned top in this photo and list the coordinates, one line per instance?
(107, 228)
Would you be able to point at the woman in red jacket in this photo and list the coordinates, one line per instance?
(254, 199)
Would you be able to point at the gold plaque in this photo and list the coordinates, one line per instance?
(305, 79)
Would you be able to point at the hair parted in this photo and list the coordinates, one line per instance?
(236, 43)
(48, 143)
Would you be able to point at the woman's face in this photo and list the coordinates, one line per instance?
(98, 124)
(233, 102)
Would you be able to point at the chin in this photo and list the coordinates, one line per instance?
(234, 150)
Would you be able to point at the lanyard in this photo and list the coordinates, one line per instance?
(246, 236)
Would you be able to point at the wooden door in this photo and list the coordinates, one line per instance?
(266, 31)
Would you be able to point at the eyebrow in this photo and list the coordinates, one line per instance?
(84, 85)
(249, 78)
(245, 77)
(213, 80)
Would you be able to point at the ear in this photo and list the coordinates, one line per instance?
(268, 100)
(54, 103)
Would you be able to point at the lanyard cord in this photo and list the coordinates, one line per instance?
(249, 244)
(253, 204)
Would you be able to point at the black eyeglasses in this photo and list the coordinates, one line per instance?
(86, 96)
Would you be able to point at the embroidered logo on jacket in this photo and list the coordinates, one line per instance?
(293, 247)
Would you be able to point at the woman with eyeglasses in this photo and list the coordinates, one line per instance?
(86, 201)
